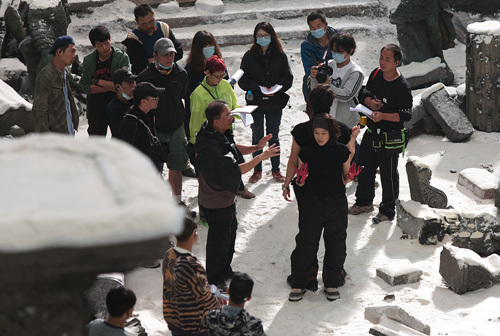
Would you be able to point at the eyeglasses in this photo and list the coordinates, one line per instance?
(228, 116)
(153, 98)
(262, 35)
(218, 77)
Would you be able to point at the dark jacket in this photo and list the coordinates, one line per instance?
(218, 158)
(49, 106)
(169, 115)
(137, 53)
(133, 132)
(266, 70)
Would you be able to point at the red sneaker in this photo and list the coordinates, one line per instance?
(278, 177)
(255, 177)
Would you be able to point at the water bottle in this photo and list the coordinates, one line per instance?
(249, 96)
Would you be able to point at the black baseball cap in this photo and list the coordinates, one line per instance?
(241, 286)
(123, 75)
(146, 89)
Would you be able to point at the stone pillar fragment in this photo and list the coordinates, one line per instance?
(483, 75)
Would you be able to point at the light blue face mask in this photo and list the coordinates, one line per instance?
(338, 58)
(264, 41)
(164, 67)
(208, 51)
(318, 33)
(126, 96)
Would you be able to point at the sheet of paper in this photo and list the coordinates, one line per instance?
(244, 109)
(273, 90)
(245, 117)
(362, 109)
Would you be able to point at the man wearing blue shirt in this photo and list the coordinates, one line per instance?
(313, 48)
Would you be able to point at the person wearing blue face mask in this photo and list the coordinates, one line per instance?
(315, 44)
(124, 82)
(346, 79)
(265, 65)
(169, 115)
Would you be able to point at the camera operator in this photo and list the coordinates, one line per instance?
(344, 76)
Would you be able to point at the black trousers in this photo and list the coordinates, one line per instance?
(222, 227)
(327, 215)
(97, 126)
(389, 176)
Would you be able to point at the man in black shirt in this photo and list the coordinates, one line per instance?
(124, 82)
(388, 94)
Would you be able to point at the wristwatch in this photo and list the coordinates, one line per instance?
(285, 188)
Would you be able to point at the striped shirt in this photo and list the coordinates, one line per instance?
(186, 293)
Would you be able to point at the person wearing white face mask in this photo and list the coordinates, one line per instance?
(265, 67)
(313, 48)
(124, 82)
(345, 81)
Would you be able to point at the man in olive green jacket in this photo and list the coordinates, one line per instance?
(54, 108)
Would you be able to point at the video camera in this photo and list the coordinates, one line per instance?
(324, 71)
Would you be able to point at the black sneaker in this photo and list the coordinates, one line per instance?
(296, 294)
(190, 213)
(332, 294)
(311, 285)
(188, 172)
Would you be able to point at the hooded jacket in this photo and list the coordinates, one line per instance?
(230, 320)
(169, 115)
(217, 164)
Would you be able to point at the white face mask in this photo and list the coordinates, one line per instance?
(126, 96)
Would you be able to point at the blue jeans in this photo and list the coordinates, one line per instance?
(273, 121)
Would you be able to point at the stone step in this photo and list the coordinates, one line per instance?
(289, 21)
(260, 11)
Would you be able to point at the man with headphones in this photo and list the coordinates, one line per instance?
(54, 108)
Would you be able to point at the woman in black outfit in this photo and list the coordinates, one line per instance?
(323, 208)
(266, 65)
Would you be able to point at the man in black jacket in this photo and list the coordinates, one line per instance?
(137, 128)
(140, 41)
(220, 164)
(169, 116)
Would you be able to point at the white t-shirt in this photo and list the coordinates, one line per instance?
(336, 80)
(99, 327)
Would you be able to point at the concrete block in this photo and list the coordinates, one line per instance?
(435, 72)
(464, 270)
(497, 198)
(479, 181)
(399, 275)
(428, 125)
(386, 314)
(211, 6)
(170, 7)
(445, 111)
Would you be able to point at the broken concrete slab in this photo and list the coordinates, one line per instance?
(417, 112)
(464, 270)
(434, 72)
(479, 181)
(428, 225)
(419, 176)
(96, 294)
(399, 275)
(377, 314)
(444, 110)
(479, 232)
